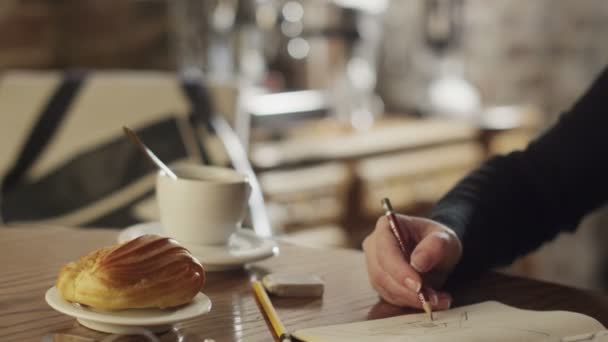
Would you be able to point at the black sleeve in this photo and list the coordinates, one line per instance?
(512, 204)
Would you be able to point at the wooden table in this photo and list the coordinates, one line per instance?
(30, 259)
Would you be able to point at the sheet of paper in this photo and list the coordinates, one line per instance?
(487, 321)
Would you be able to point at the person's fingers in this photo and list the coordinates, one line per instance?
(431, 251)
(392, 260)
(438, 300)
(391, 291)
(398, 300)
(394, 278)
(383, 283)
(444, 301)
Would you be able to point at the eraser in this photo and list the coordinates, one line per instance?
(293, 285)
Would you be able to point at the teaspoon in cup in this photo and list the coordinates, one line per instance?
(151, 156)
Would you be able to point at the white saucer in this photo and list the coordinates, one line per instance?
(128, 321)
(243, 247)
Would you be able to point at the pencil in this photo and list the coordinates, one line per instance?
(394, 225)
(269, 311)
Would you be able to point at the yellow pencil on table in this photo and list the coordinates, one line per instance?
(394, 225)
(269, 311)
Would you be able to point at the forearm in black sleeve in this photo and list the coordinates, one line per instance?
(514, 203)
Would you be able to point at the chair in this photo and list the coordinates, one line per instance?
(80, 171)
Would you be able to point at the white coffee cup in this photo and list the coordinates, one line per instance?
(204, 206)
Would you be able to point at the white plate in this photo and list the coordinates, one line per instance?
(128, 321)
(243, 247)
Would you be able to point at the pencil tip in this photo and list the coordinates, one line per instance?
(428, 310)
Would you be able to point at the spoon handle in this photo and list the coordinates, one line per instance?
(151, 156)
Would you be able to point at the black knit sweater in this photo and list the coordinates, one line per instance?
(513, 203)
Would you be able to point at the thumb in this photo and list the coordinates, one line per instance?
(430, 251)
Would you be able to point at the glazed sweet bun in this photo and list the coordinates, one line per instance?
(150, 271)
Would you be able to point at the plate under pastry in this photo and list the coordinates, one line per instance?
(132, 320)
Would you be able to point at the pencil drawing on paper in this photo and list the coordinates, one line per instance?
(490, 321)
(451, 324)
(422, 326)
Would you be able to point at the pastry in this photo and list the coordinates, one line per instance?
(150, 271)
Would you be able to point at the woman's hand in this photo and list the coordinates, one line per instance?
(436, 252)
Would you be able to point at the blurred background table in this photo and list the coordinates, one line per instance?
(32, 256)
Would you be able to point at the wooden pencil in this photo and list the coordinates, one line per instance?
(394, 225)
(270, 312)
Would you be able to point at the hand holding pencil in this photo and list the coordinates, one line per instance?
(432, 252)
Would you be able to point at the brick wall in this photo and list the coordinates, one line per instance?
(544, 52)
